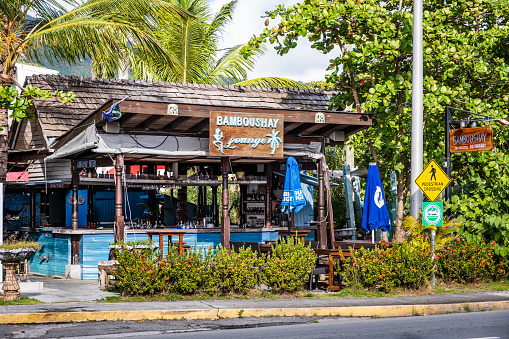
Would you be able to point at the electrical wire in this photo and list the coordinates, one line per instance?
(140, 144)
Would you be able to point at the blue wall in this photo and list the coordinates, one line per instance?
(57, 248)
(94, 248)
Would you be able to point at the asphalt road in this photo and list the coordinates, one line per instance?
(492, 324)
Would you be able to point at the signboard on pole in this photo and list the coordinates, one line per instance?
(246, 135)
(471, 139)
(432, 214)
(432, 180)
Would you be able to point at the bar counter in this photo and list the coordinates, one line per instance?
(55, 242)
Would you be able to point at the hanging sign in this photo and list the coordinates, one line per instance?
(246, 134)
(471, 139)
(432, 180)
(432, 214)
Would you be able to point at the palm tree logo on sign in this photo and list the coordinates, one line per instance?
(274, 140)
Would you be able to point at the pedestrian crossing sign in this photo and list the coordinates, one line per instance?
(432, 180)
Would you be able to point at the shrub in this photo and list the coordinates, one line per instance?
(185, 273)
(289, 266)
(138, 272)
(466, 262)
(405, 265)
(231, 272)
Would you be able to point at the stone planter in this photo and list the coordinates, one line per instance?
(10, 259)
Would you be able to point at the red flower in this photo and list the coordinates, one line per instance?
(493, 242)
(454, 250)
(463, 251)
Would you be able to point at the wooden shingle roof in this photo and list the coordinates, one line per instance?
(57, 118)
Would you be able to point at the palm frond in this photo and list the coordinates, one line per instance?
(232, 66)
(273, 82)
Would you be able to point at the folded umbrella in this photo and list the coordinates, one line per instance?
(293, 197)
(375, 214)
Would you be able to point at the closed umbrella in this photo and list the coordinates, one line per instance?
(293, 197)
(375, 214)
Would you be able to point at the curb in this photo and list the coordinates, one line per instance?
(366, 311)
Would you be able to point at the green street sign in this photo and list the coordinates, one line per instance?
(432, 214)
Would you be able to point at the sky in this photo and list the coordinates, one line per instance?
(302, 63)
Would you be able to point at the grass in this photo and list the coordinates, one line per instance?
(440, 288)
(23, 301)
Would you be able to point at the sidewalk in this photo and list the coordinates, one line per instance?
(77, 300)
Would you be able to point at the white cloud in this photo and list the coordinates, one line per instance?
(302, 63)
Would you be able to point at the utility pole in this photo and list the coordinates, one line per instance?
(416, 158)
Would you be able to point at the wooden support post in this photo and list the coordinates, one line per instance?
(199, 212)
(268, 177)
(75, 249)
(32, 210)
(74, 183)
(215, 207)
(119, 217)
(225, 219)
(322, 229)
(90, 206)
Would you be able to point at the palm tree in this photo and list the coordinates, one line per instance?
(192, 39)
(97, 29)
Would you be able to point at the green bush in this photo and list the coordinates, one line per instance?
(138, 272)
(462, 262)
(404, 265)
(289, 266)
(185, 273)
(231, 272)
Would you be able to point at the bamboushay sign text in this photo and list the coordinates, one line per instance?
(246, 134)
(471, 139)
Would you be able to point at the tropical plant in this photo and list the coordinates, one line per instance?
(418, 234)
(288, 266)
(466, 65)
(481, 200)
(233, 272)
(30, 29)
(192, 39)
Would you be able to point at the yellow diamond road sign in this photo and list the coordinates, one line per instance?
(432, 180)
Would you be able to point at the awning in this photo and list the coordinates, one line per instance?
(306, 179)
(158, 145)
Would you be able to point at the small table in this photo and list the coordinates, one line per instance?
(162, 233)
(301, 234)
(334, 253)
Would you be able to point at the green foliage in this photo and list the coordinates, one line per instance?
(404, 265)
(463, 261)
(185, 273)
(18, 104)
(232, 272)
(288, 266)
(481, 200)
(417, 233)
(138, 272)
(466, 65)
(191, 39)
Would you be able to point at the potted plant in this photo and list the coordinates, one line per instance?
(12, 253)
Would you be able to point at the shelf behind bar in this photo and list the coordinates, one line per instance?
(103, 181)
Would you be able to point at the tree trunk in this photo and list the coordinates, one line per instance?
(4, 118)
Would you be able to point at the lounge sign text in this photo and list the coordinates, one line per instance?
(246, 134)
(471, 139)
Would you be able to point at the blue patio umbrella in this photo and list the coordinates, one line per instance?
(375, 214)
(293, 197)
